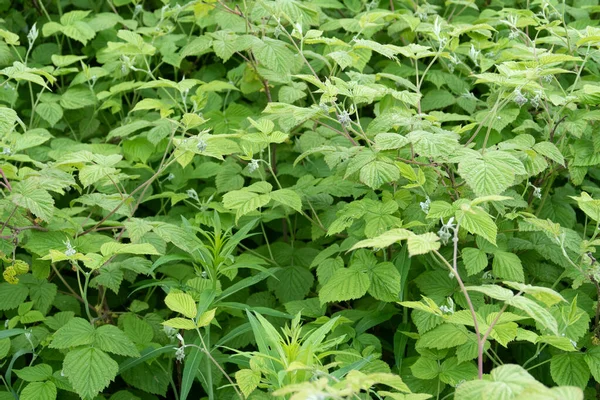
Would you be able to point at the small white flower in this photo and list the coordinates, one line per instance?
(344, 118)
(192, 194)
(170, 331)
(474, 54)
(469, 95)
(547, 78)
(446, 310)
(437, 27)
(6, 151)
(519, 99)
(298, 27)
(201, 145)
(171, 176)
(70, 249)
(32, 35)
(180, 338)
(204, 275)
(513, 35)
(252, 166)
(537, 192)
(425, 205)
(180, 354)
(137, 10)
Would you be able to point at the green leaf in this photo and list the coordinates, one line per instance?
(444, 336)
(113, 248)
(50, 112)
(11, 296)
(288, 197)
(89, 370)
(425, 368)
(475, 260)
(247, 380)
(244, 201)
(588, 205)
(180, 323)
(113, 340)
(77, 97)
(274, 54)
(549, 150)
(535, 311)
(37, 373)
(385, 282)
(379, 172)
(491, 173)
(508, 266)
(292, 283)
(452, 372)
(182, 303)
(345, 284)
(74, 333)
(28, 194)
(505, 383)
(592, 359)
(493, 291)
(39, 391)
(477, 221)
(423, 244)
(570, 369)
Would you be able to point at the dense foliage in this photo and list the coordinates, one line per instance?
(324, 199)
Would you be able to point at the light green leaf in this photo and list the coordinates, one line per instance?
(274, 54)
(491, 173)
(28, 194)
(379, 172)
(288, 197)
(181, 303)
(423, 244)
(508, 266)
(535, 311)
(247, 380)
(113, 248)
(50, 112)
(180, 323)
(444, 337)
(475, 260)
(385, 282)
(477, 221)
(549, 150)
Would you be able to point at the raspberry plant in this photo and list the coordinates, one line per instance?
(290, 199)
